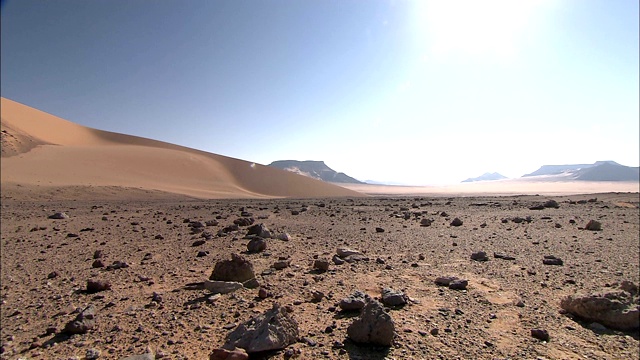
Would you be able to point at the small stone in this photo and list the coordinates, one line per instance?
(379, 230)
(321, 265)
(593, 225)
(224, 354)
(540, 334)
(355, 301)
(59, 216)
(456, 222)
(393, 298)
(94, 286)
(92, 354)
(458, 284)
(434, 331)
(222, 287)
(257, 245)
(479, 256)
(552, 260)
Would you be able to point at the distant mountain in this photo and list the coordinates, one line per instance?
(375, 182)
(486, 177)
(314, 169)
(598, 171)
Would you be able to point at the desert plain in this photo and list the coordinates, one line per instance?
(149, 221)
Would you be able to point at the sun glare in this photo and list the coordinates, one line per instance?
(471, 28)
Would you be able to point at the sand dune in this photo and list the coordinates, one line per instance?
(42, 149)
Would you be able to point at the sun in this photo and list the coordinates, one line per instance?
(474, 28)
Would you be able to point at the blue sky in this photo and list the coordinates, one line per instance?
(417, 92)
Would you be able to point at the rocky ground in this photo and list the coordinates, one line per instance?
(150, 294)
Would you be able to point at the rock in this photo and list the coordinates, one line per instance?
(355, 301)
(202, 253)
(97, 264)
(379, 230)
(593, 225)
(321, 265)
(317, 296)
(337, 260)
(281, 264)
(223, 354)
(251, 284)
(98, 254)
(243, 221)
(393, 298)
(540, 334)
(456, 222)
(222, 287)
(343, 252)
(59, 216)
(52, 275)
(92, 354)
(445, 280)
(147, 356)
(256, 245)
(458, 284)
(355, 258)
(373, 326)
(237, 269)
(551, 204)
(479, 256)
(198, 243)
(613, 308)
(273, 330)
(552, 260)
(426, 222)
(94, 286)
(117, 265)
(284, 237)
(597, 327)
(259, 230)
(83, 322)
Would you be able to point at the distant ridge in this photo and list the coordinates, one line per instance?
(314, 169)
(486, 177)
(598, 171)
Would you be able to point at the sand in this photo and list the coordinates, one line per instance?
(133, 199)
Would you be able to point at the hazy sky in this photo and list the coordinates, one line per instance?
(418, 92)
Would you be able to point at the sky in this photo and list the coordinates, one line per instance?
(413, 92)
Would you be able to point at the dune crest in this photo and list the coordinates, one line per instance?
(42, 149)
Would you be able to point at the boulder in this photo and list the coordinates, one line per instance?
(616, 308)
(273, 330)
(237, 269)
(373, 326)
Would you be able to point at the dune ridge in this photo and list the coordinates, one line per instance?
(45, 150)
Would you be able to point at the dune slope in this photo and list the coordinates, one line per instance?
(42, 149)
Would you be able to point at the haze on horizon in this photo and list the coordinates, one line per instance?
(415, 92)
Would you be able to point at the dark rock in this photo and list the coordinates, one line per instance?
(202, 253)
(243, 221)
(355, 301)
(98, 254)
(393, 298)
(94, 286)
(551, 204)
(118, 265)
(97, 264)
(379, 230)
(445, 280)
(426, 222)
(373, 326)
(273, 330)
(593, 225)
(83, 322)
(256, 245)
(540, 334)
(479, 256)
(321, 265)
(552, 260)
(337, 260)
(198, 243)
(458, 284)
(259, 230)
(456, 222)
(237, 269)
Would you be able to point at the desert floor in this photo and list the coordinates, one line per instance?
(46, 264)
